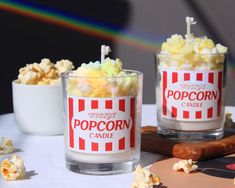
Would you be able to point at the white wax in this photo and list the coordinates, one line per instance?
(103, 158)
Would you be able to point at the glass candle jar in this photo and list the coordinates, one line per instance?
(190, 97)
(103, 119)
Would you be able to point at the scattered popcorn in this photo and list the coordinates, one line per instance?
(43, 73)
(186, 165)
(228, 120)
(144, 178)
(228, 115)
(112, 81)
(12, 169)
(6, 146)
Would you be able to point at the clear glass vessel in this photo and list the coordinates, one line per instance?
(103, 119)
(190, 96)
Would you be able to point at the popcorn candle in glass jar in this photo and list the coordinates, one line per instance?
(103, 110)
(190, 87)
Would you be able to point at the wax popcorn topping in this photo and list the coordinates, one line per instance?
(12, 169)
(107, 68)
(6, 146)
(111, 67)
(43, 73)
(191, 53)
(176, 44)
(144, 178)
(104, 79)
(186, 165)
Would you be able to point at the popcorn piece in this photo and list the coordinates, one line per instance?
(46, 65)
(221, 48)
(48, 68)
(174, 44)
(44, 73)
(63, 66)
(228, 120)
(12, 169)
(111, 67)
(30, 74)
(228, 115)
(206, 44)
(6, 146)
(186, 165)
(144, 178)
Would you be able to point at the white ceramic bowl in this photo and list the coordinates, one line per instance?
(38, 109)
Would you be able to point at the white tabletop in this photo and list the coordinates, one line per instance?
(44, 159)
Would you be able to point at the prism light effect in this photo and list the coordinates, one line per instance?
(97, 29)
(80, 25)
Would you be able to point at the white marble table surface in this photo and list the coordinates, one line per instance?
(44, 159)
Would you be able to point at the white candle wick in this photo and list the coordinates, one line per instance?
(189, 21)
(104, 51)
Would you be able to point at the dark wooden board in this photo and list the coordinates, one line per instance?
(152, 142)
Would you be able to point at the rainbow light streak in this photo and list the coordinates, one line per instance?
(87, 27)
(80, 25)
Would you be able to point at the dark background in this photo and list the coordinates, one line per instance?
(25, 39)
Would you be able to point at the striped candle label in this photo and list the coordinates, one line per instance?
(191, 95)
(101, 125)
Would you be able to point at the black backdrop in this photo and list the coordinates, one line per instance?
(25, 40)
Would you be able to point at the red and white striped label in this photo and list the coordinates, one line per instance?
(101, 125)
(191, 95)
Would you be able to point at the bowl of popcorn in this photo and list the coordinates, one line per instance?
(37, 97)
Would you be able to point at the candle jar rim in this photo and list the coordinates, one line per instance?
(68, 74)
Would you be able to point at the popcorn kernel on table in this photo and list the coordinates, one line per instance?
(12, 169)
(186, 165)
(6, 145)
(144, 178)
